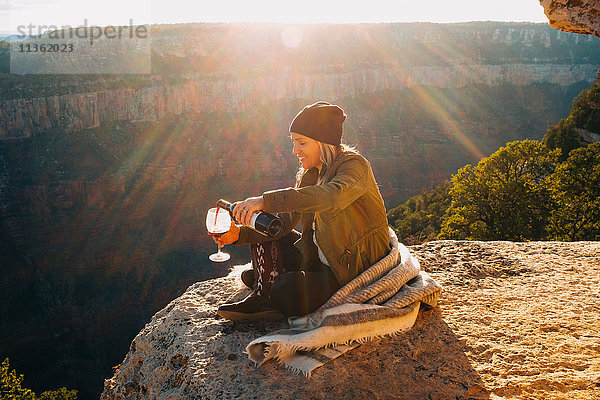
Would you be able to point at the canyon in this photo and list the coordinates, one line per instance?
(22, 118)
(104, 180)
(348, 62)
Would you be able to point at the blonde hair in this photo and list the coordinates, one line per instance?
(329, 153)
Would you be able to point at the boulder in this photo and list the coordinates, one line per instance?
(578, 16)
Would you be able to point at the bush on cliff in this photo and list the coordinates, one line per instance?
(419, 219)
(575, 193)
(520, 192)
(585, 114)
(524, 191)
(563, 136)
(504, 197)
(11, 389)
(586, 110)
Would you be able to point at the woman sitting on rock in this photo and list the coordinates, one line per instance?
(344, 224)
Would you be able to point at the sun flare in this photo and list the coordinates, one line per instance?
(48, 13)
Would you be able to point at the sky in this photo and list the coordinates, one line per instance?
(40, 13)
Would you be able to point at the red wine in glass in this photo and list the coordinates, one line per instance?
(218, 222)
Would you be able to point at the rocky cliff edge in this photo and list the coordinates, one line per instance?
(579, 16)
(516, 320)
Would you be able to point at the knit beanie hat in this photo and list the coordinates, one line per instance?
(320, 121)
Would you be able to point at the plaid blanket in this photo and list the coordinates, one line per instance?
(383, 300)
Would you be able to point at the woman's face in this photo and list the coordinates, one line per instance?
(307, 150)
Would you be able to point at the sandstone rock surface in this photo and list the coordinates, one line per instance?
(580, 16)
(516, 320)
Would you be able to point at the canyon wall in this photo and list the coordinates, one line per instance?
(199, 68)
(21, 118)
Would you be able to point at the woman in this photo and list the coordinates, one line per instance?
(344, 224)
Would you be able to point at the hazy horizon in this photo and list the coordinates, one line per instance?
(40, 13)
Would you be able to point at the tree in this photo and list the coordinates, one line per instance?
(504, 197)
(575, 193)
(563, 136)
(419, 219)
(585, 114)
(10, 385)
(11, 389)
(585, 111)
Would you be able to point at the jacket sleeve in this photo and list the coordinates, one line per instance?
(288, 222)
(347, 185)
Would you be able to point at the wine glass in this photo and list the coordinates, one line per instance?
(218, 222)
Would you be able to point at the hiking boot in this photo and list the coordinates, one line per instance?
(247, 277)
(253, 307)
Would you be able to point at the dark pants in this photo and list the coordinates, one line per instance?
(277, 275)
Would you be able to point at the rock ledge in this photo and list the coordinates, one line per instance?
(515, 320)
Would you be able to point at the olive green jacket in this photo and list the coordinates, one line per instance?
(348, 212)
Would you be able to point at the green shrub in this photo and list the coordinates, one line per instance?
(11, 389)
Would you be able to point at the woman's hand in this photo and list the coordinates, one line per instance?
(242, 212)
(231, 236)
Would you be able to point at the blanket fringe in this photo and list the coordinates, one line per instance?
(383, 301)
